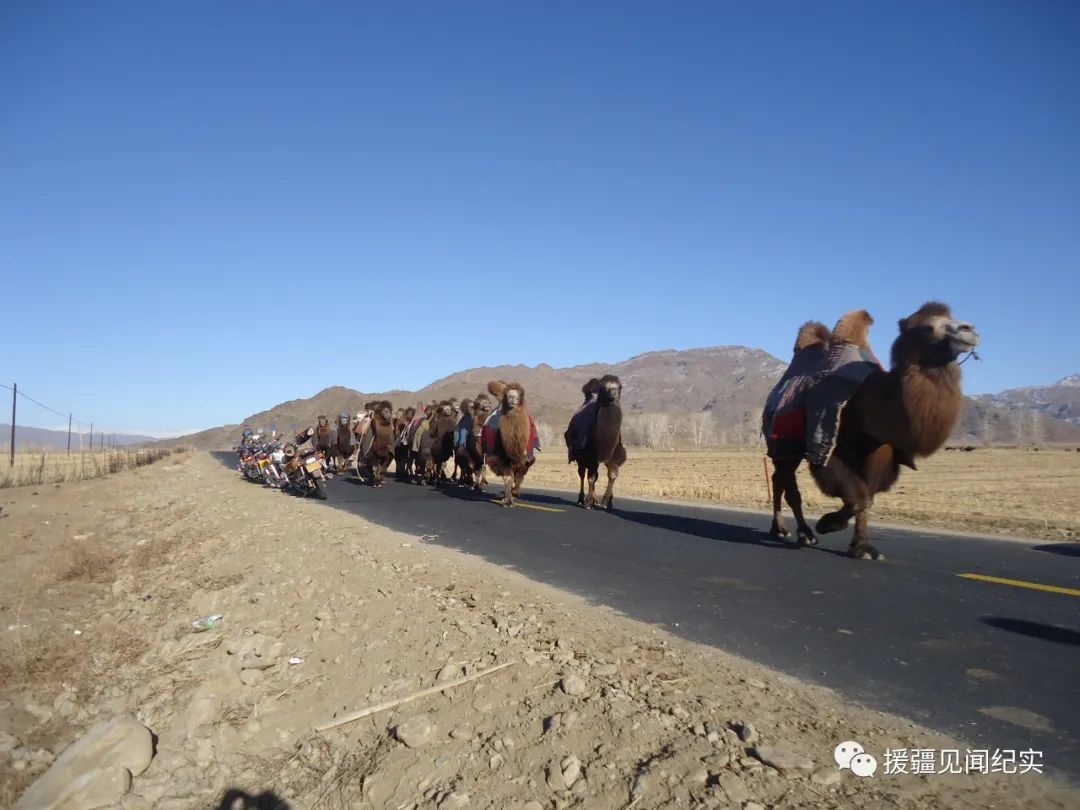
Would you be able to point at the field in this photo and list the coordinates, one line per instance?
(56, 467)
(1032, 493)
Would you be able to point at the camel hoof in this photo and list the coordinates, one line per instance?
(831, 523)
(866, 552)
(610, 507)
(806, 538)
(779, 532)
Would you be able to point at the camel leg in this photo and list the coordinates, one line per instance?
(836, 521)
(860, 547)
(508, 489)
(590, 498)
(780, 479)
(805, 534)
(581, 488)
(609, 493)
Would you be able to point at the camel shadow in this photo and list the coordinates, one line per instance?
(715, 530)
(1039, 630)
(237, 799)
(493, 494)
(1065, 549)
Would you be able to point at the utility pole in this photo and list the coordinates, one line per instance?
(91, 438)
(14, 396)
(69, 434)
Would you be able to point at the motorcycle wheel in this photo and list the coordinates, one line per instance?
(320, 489)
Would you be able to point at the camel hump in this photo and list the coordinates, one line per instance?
(812, 333)
(853, 327)
(496, 388)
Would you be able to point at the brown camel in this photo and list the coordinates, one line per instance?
(324, 438)
(603, 439)
(381, 451)
(443, 423)
(893, 417)
(511, 452)
(342, 450)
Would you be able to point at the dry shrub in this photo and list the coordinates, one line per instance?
(39, 659)
(151, 554)
(37, 468)
(84, 561)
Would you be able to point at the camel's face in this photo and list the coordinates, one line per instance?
(613, 390)
(513, 398)
(324, 422)
(953, 336)
(446, 410)
(386, 413)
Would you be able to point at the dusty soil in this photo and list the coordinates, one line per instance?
(1027, 493)
(100, 581)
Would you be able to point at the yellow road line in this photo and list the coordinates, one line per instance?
(1019, 583)
(530, 506)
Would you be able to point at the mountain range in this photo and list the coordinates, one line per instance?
(728, 382)
(32, 438)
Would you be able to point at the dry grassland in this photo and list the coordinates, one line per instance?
(58, 467)
(999, 491)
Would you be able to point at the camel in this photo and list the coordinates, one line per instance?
(342, 449)
(443, 424)
(401, 444)
(380, 451)
(324, 438)
(461, 432)
(811, 348)
(599, 423)
(509, 445)
(892, 417)
(419, 438)
(470, 451)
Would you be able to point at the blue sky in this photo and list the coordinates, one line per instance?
(209, 208)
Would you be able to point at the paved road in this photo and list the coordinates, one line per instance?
(908, 634)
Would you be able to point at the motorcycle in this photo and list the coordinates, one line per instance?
(304, 469)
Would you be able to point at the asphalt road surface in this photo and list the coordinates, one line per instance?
(974, 636)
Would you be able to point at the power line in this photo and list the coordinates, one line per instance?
(46, 407)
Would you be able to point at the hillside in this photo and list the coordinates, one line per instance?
(31, 438)
(729, 382)
(1059, 401)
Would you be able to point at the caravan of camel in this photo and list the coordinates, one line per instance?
(836, 407)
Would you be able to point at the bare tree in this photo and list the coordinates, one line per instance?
(549, 437)
(657, 429)
(700, 428)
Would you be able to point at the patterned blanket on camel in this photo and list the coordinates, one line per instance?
(491, 430)
(802, 412)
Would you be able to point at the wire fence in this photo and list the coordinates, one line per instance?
(79, 432)
(67, 453)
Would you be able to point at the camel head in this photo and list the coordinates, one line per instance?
(467, 407)
(511, 395)
(611, 389)
(343, 419)
(933, 337)
(446, 408)
(482, 407)
(385, 411)
(812, 333)
(455, 406)
(324, 422)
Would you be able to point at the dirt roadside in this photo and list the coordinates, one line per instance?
(325, 614)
